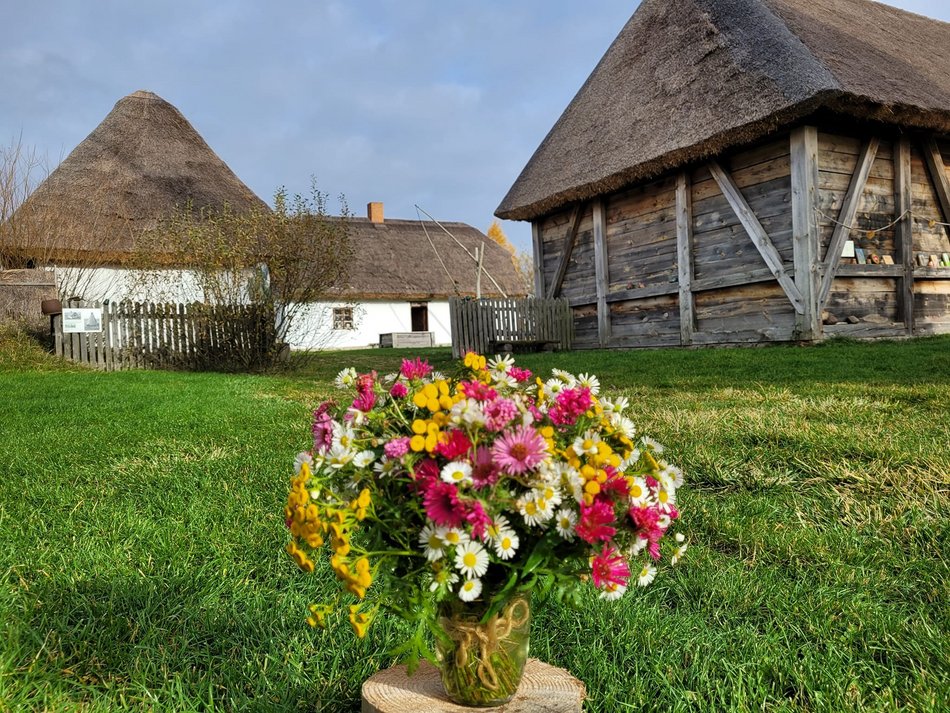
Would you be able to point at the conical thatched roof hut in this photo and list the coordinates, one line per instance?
(775, 98)
(144, 161)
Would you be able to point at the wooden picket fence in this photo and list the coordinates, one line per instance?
(490, 326)
(145, 335)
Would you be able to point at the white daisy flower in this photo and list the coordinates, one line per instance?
(666, 480)
(586, 444)
(345, 378)
(432, 543)
(664, 521)
(499, 525)
(302, 458)
(550, 494)
(471, 559)
(679, 537)
(611, 406)
(630, 460)
(470, 590)
(552, 387)
(506, 380)
(338, 456)
(612, 591)
(453, 536)
(501, 364)
(436, 376)
(506, 544)
(673, 472)
(443, 578)
(624, 426)
(343, 435)
(574, 484)
(532, 514)
(364, 458)
(545, 507)
(639, 493)
(651, 444)
(647, 575)
(467, 412)
(457, 472)
(680, 551)
(564, 377)
(564, 523)
(665, 499)
(386, 467)
(638, 546)
(591, 382)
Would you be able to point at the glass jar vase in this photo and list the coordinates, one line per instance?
(481, 662)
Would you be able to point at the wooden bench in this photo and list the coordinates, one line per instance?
(521, 346)
(407, 339)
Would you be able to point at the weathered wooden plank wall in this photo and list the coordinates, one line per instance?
(746, 248)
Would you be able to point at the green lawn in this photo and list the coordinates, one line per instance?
(141, 534)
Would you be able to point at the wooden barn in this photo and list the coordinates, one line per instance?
(742, 171)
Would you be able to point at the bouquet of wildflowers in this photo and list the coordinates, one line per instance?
(424, 488)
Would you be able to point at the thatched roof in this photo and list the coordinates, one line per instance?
(394, 260)
(688, 79)
(138, 166)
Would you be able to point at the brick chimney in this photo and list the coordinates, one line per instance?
(374, 211)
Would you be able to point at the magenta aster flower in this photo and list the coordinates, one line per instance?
(499, 413)
(478, 391)
(322, 428)
(520, 450)
(442, 504)
(609, 568)
(484, 470)
(595, 523)
(453, 445)
(518, 374)
(478, 519)
(399, 390)
(415, 369)
(569, 404)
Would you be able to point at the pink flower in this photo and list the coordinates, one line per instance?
(396, 448)
(478, 391)
(569, 404)
(425, 470)
(648, 527)
(520, 450)
(609, 568)
(415, 369)
(399, 390)
(499, 413)
(322, 428)
(595, 522)
(441, 501)
(484, 471)
(615, 482)
(478, 519)
(366, 397)
(453, 444)
(518, 374)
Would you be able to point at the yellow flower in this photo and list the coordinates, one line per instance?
(360, 621)
(419, 399)
(419, 426)
(417, 443)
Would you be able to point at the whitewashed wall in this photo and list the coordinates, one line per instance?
(119, 284)
(313, 327)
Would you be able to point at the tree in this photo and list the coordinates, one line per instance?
(522, 261)
(274, 261)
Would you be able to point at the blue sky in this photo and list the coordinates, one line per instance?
(408, 102)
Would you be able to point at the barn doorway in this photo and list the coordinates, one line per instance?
(419, 312)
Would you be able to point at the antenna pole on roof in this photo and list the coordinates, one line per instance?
(478, 271)
(461, 245)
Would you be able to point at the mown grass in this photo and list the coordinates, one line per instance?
(141, 534)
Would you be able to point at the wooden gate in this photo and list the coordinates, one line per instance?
(487, 326)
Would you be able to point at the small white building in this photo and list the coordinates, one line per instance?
(400, 281)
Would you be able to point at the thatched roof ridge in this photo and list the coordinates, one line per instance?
(394, 260)
(144, 161)
(689, 79)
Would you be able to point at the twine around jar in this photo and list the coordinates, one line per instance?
(464, 634)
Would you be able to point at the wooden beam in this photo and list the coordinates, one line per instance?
(757, 234)
(849, 209)
(538, 246)
(903, 232)
(566, 250)
(938, 173)
(804, 165)
(684, 257)
(601, 274)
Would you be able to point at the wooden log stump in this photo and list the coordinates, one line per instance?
(543, 688)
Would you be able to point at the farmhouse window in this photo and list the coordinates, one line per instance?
(343, 318)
